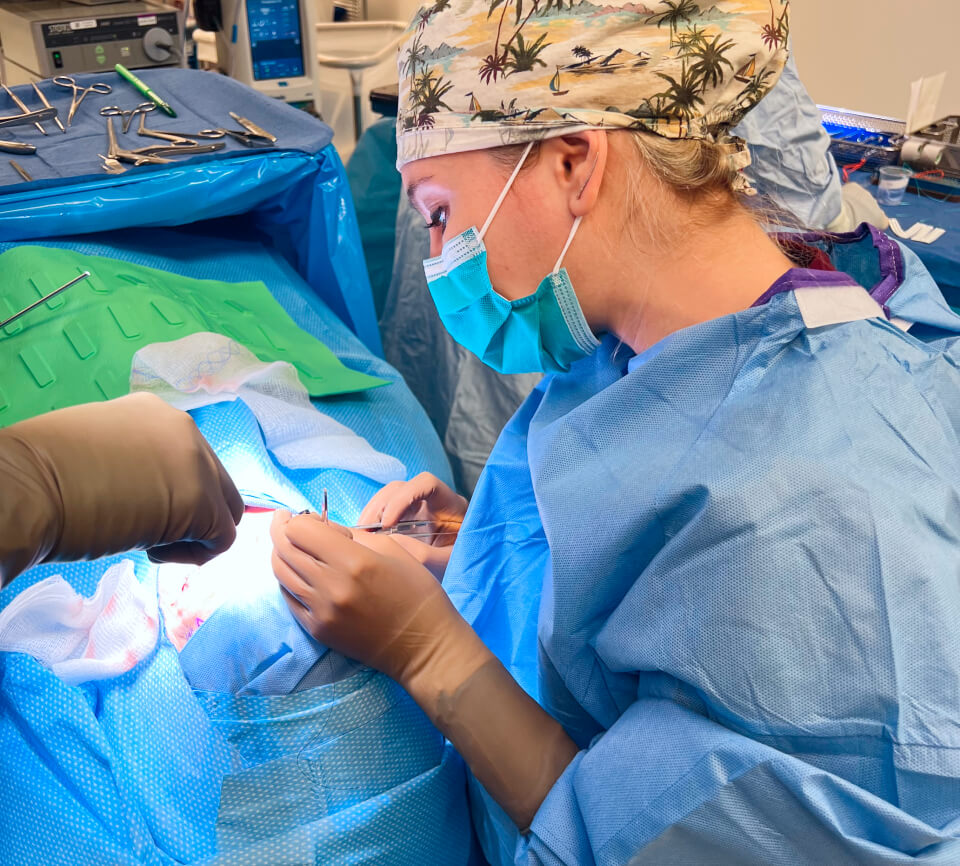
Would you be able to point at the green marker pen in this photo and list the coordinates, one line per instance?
(126, 74)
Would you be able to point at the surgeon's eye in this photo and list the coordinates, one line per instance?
(438, 219)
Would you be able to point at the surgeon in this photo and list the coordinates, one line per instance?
(703, 605)
(104, 478)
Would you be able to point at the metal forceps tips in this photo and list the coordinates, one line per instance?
(253, 129)
(251, 135)
(79, 92)
(47, 104)
(126, 114)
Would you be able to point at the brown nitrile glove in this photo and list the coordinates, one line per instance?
(104, 478)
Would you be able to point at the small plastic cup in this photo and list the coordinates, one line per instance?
(893, 184)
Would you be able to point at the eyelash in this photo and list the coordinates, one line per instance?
(438, 219)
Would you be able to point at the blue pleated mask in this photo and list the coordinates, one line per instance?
(541, 333)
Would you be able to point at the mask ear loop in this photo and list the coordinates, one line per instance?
(576, 222)
(566, 246)
(505, 190)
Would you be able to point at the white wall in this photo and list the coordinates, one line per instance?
(334, 91)
(863, 54)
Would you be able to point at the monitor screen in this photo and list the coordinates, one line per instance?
(275, 38)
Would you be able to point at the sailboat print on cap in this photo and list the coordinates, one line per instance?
(555, 84)
(748, 70)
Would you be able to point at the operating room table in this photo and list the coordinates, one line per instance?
(142, 768)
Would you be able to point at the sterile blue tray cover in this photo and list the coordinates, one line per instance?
(296, 193)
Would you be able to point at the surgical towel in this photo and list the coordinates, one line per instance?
(207, 368)
(82, 639)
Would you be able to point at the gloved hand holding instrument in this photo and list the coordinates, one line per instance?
(432, 511)
(105, 478)
(364, 595)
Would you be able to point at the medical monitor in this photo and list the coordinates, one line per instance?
(271, 46)
(276, 39)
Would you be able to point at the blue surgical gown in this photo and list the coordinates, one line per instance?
(730, 567)
(789, 150)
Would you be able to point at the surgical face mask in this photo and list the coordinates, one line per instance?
(543, 332)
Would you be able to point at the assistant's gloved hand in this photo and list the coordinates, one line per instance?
(424, 497)
(372, 601)
(104, 478)
(859, 206)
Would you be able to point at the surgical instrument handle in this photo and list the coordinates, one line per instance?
(22, 106)
(19, 169)
(29, 117)
(128, 76)
(17, 147)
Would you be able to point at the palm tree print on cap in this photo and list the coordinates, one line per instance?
(482, 73)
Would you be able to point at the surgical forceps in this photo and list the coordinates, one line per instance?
(19, 120)
(79, 93)
(154, 155)
(409, 528)
(128, 114)
(176, 138)
(21, 105)
(111, 162)
(46, 102)
(28, 117)
(251, 135)
(403, 527)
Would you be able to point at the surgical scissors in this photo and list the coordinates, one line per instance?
(176, 138)
(127, 114)
(70, 82)
(251, 135)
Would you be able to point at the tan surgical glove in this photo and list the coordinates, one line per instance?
(859, 206)
(364, 595)
(104, 478)
(424, 497)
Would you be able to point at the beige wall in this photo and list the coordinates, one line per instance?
(863, 54)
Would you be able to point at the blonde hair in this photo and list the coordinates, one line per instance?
(692, 176)
(697, 175)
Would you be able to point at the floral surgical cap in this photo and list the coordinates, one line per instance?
(483, 73)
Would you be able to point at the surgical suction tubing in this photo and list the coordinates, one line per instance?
(44, 299)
